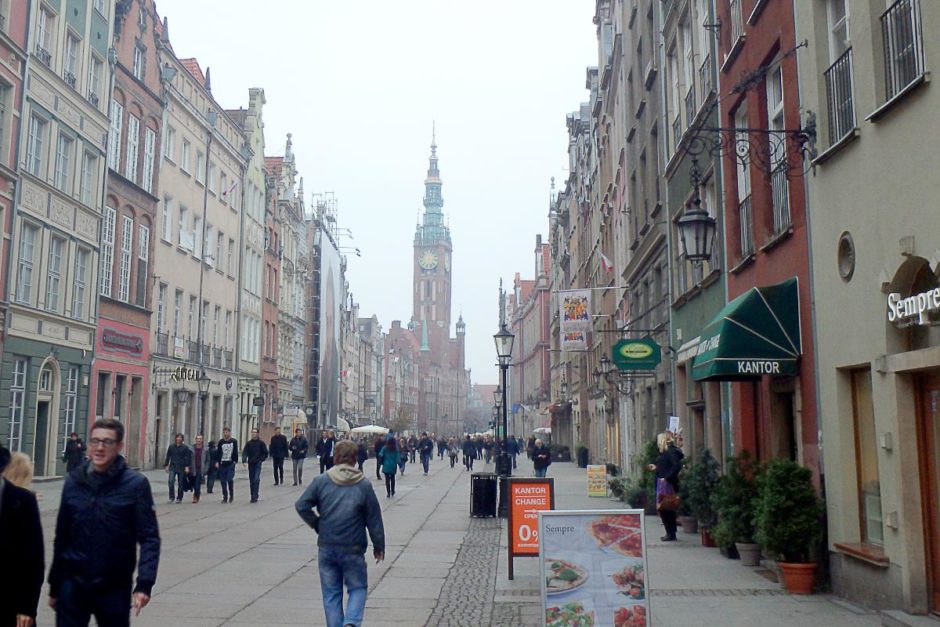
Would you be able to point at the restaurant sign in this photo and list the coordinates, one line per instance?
(915, 309)
(115, 340)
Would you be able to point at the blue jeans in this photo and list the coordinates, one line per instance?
(254, 479)
(337, 568)
(75, 605)
(227, 479)
(540, 472)
(425, 461)
(177, 477)
(197, 484)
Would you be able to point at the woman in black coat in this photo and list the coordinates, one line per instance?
(668, 465)
(21, 549)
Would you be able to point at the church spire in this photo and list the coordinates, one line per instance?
(432, 228)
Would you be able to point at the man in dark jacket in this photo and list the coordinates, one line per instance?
(347, 507)
(213, 472)
(179, 459)
(325, 450)
(228, 457)
(21, 551)
(298, 453)
(279, 450)
(512, 447)
(256, 451)
(74, 452)
(541, 458)
(469, 453)
(426, 450)
(106, 511)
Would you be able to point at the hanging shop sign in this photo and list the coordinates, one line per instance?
(527, 497)
(640, 354)
(574, 312)
(115, 340)
(915, 309)
(593, 565)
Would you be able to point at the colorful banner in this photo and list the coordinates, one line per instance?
(594, 568)
(597, 480)
(575, 311)
(574, 341)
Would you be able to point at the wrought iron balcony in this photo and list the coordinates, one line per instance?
(903, 45)
(44, 55)
(746, 224)
(840, 99)
(690, 106)
(781, 200)
(705, 77)
(70, 79)
(162, 347)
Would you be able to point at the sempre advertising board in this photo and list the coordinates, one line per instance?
(593, 566)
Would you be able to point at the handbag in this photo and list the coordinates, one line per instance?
(666, 498)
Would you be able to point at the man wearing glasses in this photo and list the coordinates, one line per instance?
(106, 511)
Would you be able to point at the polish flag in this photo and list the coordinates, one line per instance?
(606, 263)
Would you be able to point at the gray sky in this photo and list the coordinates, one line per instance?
(358, 83)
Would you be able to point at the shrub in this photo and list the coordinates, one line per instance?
(703, 477)
(734, 500)
(787, 511)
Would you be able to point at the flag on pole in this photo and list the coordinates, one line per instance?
(606, 263)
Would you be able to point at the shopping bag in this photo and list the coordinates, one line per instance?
(666, 498)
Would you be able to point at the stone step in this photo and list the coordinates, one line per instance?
(897, 618)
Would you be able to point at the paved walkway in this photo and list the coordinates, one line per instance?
(244, 564)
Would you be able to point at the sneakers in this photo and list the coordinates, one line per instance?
(668, 538)
(224, 500)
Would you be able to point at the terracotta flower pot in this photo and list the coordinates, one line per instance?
(798, 578)
(689, 524)
(707, 539)
(750, 553)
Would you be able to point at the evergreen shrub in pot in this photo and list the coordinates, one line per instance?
(702, 481)
(787, 514)
(686, 520)
(734, 502)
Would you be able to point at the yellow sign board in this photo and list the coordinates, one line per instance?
(597, 480)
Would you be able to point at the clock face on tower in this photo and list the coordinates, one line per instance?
(428, 260)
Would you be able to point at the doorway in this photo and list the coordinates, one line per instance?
(928, 418)
(40, 456)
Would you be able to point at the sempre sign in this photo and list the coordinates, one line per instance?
(914, 309)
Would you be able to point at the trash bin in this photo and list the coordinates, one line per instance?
(483, 495)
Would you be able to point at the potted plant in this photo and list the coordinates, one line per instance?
(647, 479)
(702, 481)
(787, 514)
(684, 516)
(734, 502)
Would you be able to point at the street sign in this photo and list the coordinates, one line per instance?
(527, 497)
(639, 354)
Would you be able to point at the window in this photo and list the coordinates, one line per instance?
(54, 273)
(100, 7)
(127, 239)
(107, 250)
(192, 317)
(228, 329)
(177, 312)
(88, 188)
(45, 38)
(209, 246)
(142, 16)
(70, 72)
(903, 46)
(94, 80)
(197, 237)
(71, 401)
(79, 281)
(63, 163)
(838, 24)
(215, 325)
(220, 251)
(169, 143)
(34, 144)
(143, 264)
(161, 308)
(150, 145)
(866, 451)
(200, 167)
(166, 217)
(24, 271)
(746, 241)
(223, 189)
(212, 177)
(114, 135)
(203, 321)
(133, 139)
(17, 404)
(138, 64)
(184, 165)
(778, 156)
(4, 94)
(232, 261)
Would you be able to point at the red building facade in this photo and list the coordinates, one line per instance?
(765, 216)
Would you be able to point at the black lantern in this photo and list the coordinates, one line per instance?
(696, 231)
(606, 365)
(504, 340)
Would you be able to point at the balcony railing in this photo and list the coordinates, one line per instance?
(781, 199)
(676, 131)
(44, 55)
(904, 53)
(228, 360)
(163, 344)
(70, 79)
(690, 107)
(746, 223)
(204, 358)
(705, 77)
(93, 99)
(216, 357)
(194, 351)
(840, 98)
(737, 22)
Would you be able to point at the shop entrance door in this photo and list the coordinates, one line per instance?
(929, 419)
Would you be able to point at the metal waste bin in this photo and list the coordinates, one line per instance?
(483, 495)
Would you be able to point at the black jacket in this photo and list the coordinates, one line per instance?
(298, 447)
(278, 446)
(74, 454)
(469, 449)
(325, 447)
(178, 457)
(21, 550)
(426, 446)
(541, 457)
(256, 451)
(102, 519)
(669, 465)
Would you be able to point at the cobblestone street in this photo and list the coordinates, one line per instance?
(246, 564)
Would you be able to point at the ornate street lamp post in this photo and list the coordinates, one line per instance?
(504, 340)
(203, 382)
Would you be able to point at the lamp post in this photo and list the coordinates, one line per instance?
(504, 340)
(696, 228)
(203, 382)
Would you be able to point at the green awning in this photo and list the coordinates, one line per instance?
(756, 334)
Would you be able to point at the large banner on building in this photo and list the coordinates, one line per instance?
(594, 568)
(331, 302)
(575, 315)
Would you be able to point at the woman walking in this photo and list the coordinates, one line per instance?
(452, 451)
(667, 467)
(390, 456)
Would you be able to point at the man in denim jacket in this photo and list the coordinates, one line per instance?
(347, 506)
